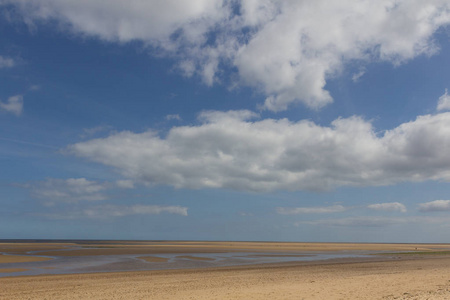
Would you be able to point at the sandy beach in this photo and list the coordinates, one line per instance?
(424, 275)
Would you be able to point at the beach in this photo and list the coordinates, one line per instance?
(414, 274)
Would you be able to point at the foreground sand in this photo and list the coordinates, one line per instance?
(409, 277)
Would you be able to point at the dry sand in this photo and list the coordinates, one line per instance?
(403, 277)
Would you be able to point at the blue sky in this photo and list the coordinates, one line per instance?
(225, 120)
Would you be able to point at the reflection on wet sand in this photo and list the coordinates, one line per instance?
(154, 259)
(114, 256)
(196, 257)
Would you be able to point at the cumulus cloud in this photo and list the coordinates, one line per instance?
(54, 190)
(286, 49)
(116, 211)
(310, 210)
(444, 102)
(233, 150)
(13, 105)
(437, 205)
(391, 206)
(6, 62)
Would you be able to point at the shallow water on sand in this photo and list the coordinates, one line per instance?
(134, 262)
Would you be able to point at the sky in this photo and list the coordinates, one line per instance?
(260, 120)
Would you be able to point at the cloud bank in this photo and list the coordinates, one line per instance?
(286, 49)
(109, 211)
(54, 191)
(233, 150)
(391, 206)
(437, 205)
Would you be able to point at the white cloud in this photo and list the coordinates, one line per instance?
(152, 21)
(303, 43)
(437, 205)
(310, 210)
(391, 206)
(121, 211)
(6, 62)
(116, 211)
(286, 49)
(444, 102)
(53, 190)
(229, 150)
(14, 105)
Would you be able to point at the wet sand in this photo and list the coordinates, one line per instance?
(402, 278)
(20, 258)
(92, 248)
(12, 270)
(424, 275)
(195, 257)
(24, 247)
(154, 259)
(163, 247)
